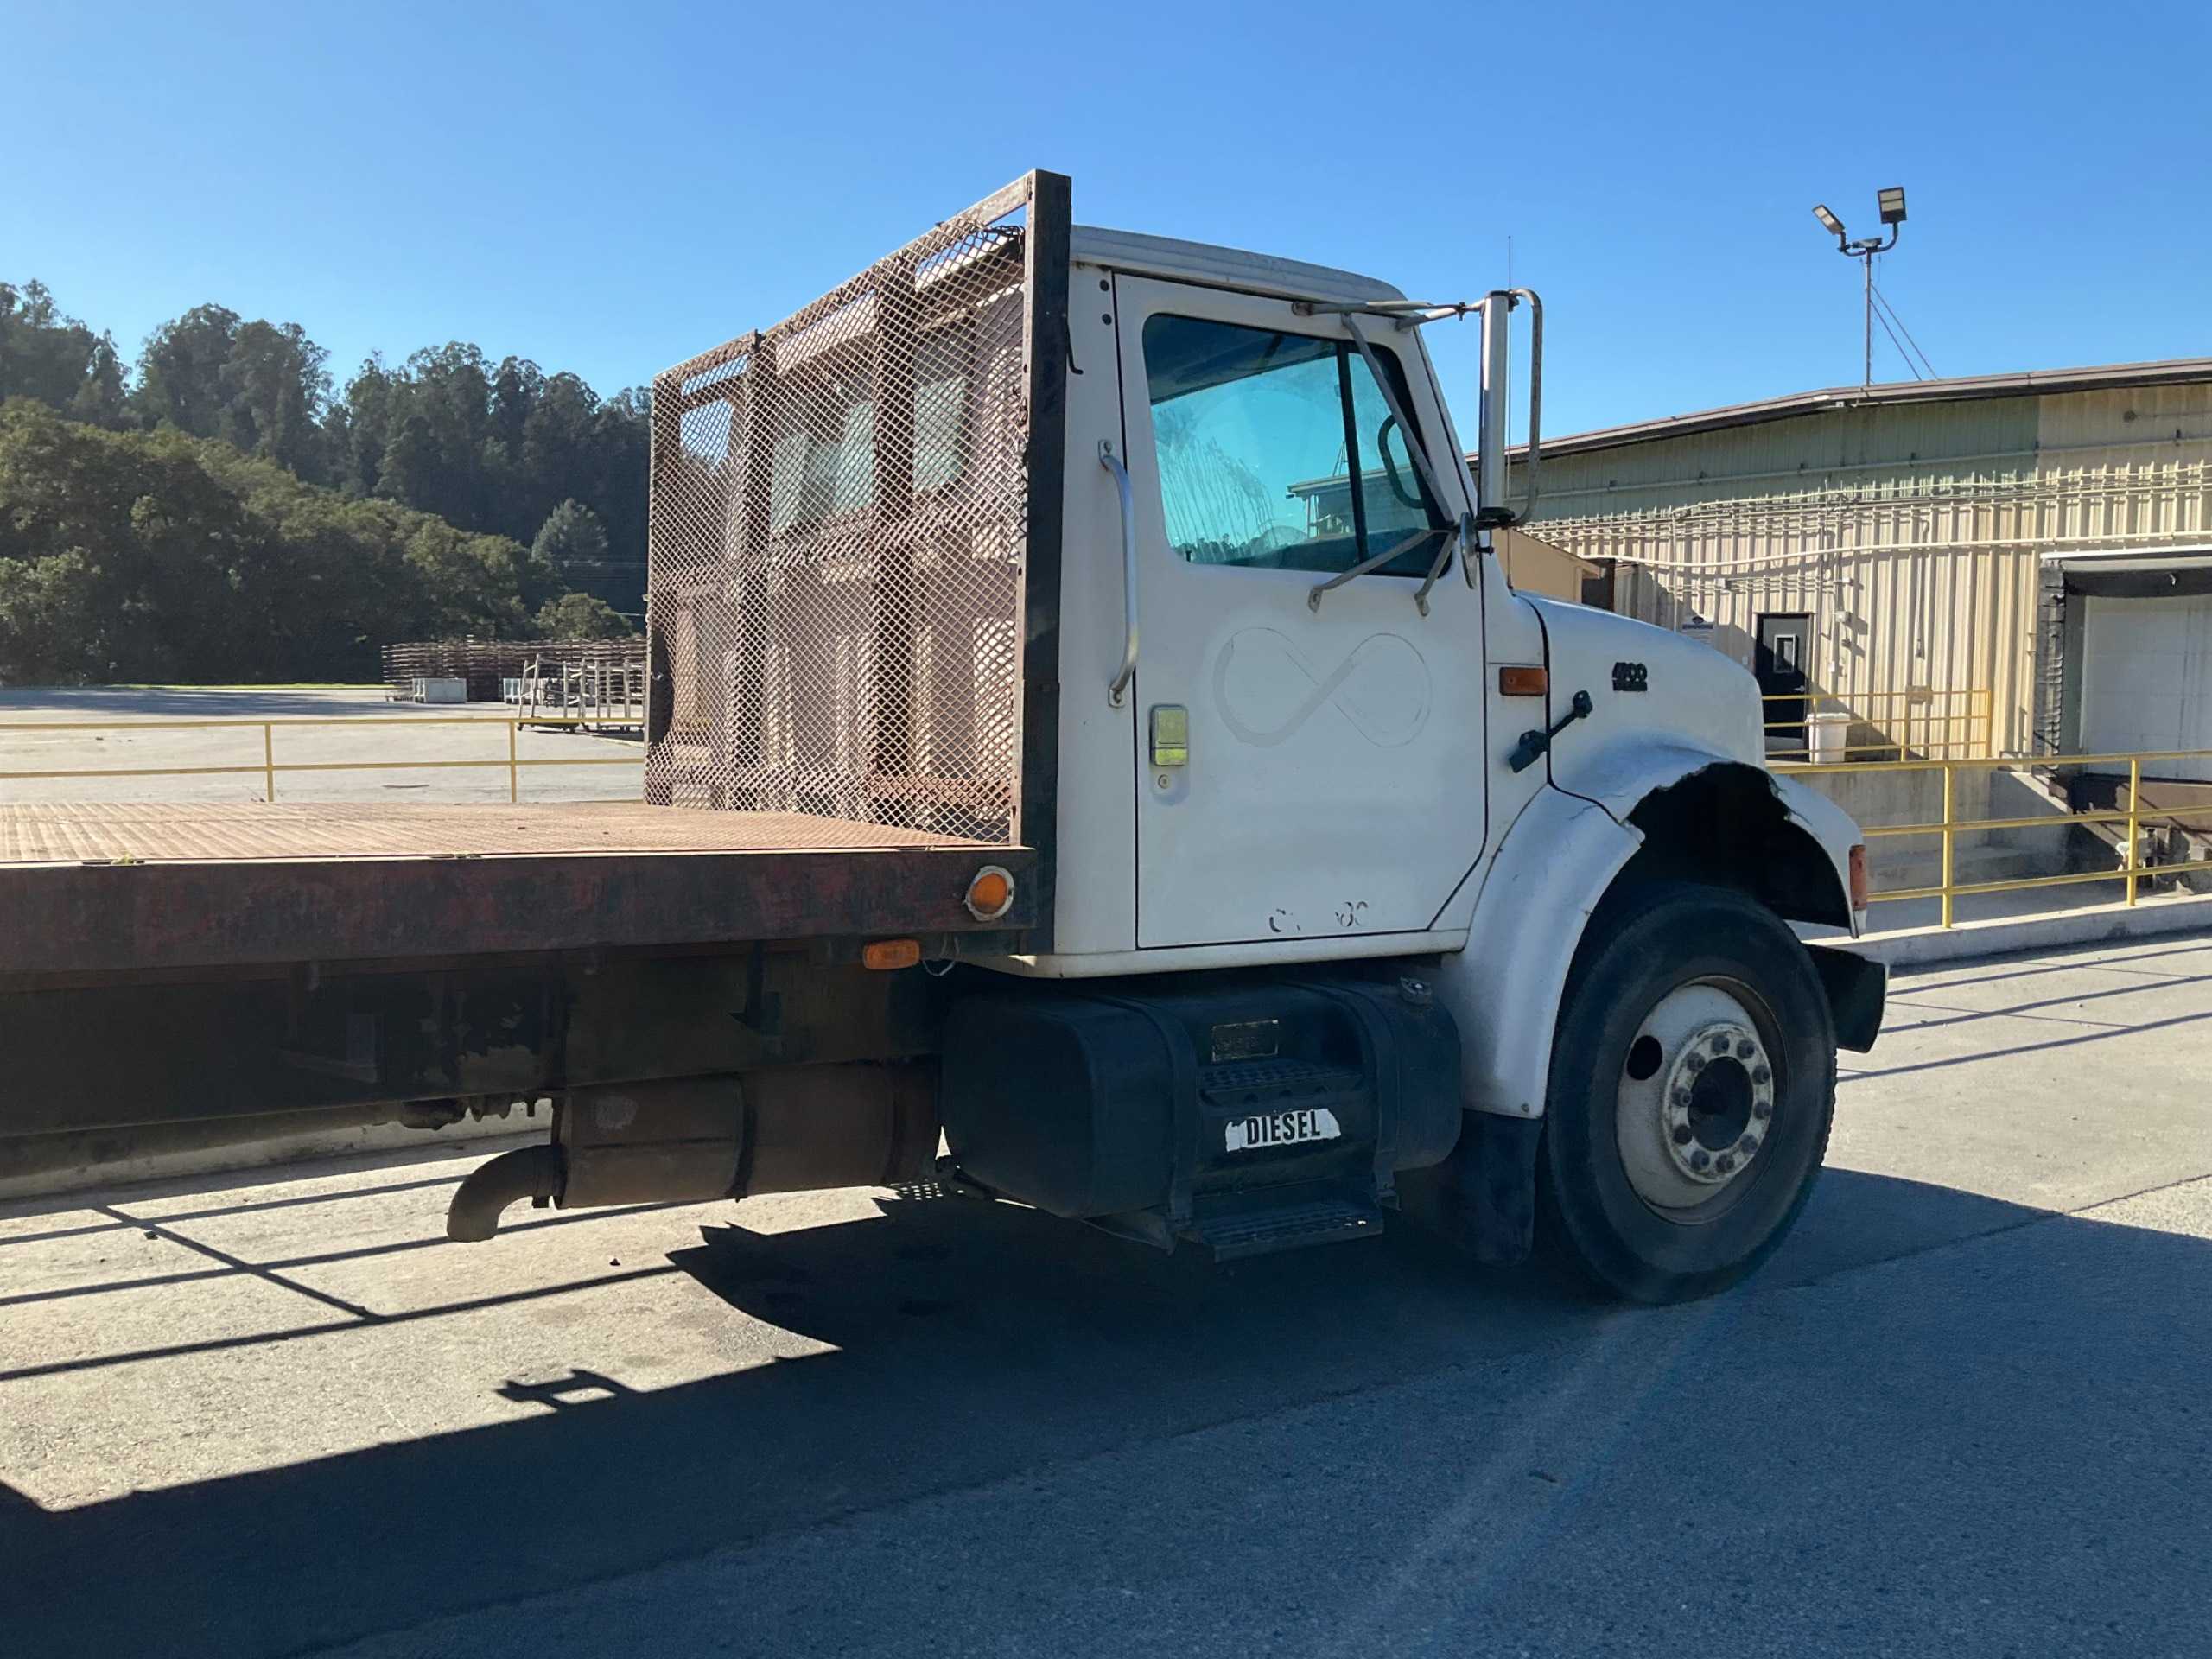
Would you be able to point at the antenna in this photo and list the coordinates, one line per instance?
(1506, 391)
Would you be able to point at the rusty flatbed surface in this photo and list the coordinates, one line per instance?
(103, 831)
(117, 888)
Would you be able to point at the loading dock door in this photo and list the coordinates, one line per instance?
(2147, 678)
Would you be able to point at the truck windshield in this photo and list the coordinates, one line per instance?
(1278, 451)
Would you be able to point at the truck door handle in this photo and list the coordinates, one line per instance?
(1112, 463)
(1533, 744)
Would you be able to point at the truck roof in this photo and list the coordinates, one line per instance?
(1263, 273)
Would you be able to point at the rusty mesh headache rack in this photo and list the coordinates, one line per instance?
(854, 552)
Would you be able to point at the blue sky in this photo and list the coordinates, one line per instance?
(608, 188)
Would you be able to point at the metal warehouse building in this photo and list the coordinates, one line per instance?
(2013, 565)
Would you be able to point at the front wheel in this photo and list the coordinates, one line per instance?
(1693, 1085)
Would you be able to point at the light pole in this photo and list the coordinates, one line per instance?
(1890, 204)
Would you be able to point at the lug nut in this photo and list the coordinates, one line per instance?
(1727, 1164)
(1683, 1098)
(1693, 1063)
(1761, 1109)
(1699, 1161)
(1748, 1145)
(1746, 1049)
(1681, 1134)
(1720, 1045)
(1761, 1074)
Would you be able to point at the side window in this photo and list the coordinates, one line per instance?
(1277, 451)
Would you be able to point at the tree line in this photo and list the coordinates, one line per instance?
(220, 511)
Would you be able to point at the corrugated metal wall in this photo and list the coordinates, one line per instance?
(1911, 533)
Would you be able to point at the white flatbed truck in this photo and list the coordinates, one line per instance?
(1095, 759)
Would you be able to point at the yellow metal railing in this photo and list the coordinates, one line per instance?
(2131, 871)
(1957, 723)
(269, 766)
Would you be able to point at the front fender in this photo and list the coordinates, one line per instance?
(1832, 828)
(1550, 870)
(1621, 776)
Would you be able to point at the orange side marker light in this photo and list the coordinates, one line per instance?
(990, 894)
(884, 955)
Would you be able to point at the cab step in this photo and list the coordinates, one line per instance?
(1286, 1227)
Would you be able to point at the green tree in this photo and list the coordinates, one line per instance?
(570, 547)
(180, 372)
(358, 428)
(52, 618)
(490, 449)
(56, 359)
(274, 385)
(138, 556)
(101, 399)
(580, 616)
(261, 386)
(409, 468)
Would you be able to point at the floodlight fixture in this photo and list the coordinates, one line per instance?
(1890, 202)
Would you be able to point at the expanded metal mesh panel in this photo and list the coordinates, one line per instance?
(839, 514)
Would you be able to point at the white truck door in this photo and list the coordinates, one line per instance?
(1303, 770)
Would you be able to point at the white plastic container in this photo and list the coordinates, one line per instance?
(1825, 736)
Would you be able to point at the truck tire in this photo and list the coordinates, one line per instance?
(1693, 1086)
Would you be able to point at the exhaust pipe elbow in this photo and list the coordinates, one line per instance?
(525, 1173)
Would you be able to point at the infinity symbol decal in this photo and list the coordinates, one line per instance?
(1387, 705)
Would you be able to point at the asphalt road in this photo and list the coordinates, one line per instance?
(1967, 1411)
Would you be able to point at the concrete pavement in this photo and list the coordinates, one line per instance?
(1963, 1412)
(51, 729)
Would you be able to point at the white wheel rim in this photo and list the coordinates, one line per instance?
(1693, 1123)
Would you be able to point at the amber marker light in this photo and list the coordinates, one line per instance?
(1523, 681)
(990, 894)
(884, 955)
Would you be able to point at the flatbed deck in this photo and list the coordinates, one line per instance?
(124, 887)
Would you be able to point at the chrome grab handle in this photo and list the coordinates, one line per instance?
(1112, 463)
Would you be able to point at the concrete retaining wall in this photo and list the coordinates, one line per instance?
(1874, 795)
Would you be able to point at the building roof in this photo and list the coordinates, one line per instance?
(1263, 273)
(2026, 384)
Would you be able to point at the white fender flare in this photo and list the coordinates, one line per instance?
(1504, 989)
(1551, 870)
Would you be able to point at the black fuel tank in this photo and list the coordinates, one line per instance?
(1115, 1097)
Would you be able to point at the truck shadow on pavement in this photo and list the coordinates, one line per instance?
(976, 1342)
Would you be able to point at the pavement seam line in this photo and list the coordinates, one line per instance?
(1991, 1013)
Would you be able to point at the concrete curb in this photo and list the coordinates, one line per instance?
(1919, 946)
